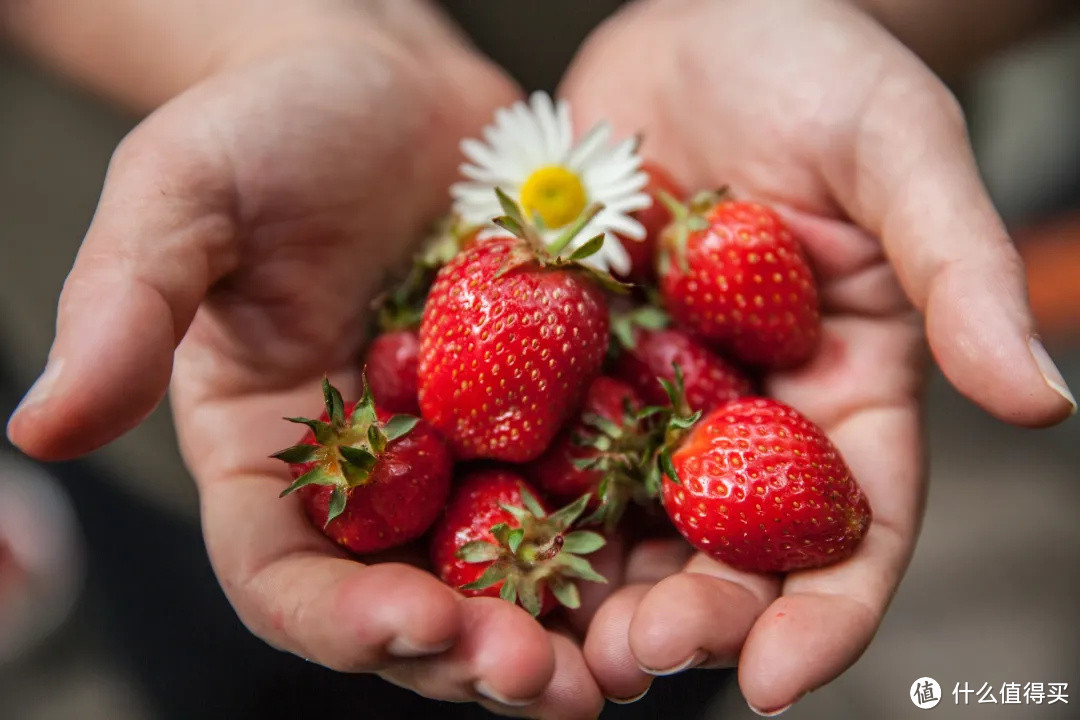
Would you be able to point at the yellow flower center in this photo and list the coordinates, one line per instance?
(555, 194)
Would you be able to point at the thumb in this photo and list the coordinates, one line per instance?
(917, 187)
(163, 232)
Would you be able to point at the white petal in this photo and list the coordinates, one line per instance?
(546, 120)
(623, 224)
(512, 136)
(566, 131)
(594, 141)
(629, 203)
(483, 175)
(531, 139)
(478, 152)
(474, 193)
(617, 189)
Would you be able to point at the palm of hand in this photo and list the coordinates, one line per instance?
(763, 109)
(252, 218)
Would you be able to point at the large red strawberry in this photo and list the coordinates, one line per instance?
(497, 539)
(733, 273)
(648, 355)
(601, 453)
(654, 219)
(762, 489)
(391, 364)
(511, 336)
(369, 479)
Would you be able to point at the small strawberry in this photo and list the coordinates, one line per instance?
(497, 540)
(391, 362)
(649, 352)
(600, 453)
(654, 218)
(369, 479)
(511, 336)
(758, 486)
(733, 274)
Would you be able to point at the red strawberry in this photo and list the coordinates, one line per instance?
(369, 479)
(391, 364)
(710, 380)
(600, 453)
(510, 338)
(733, 273)
(762, 489)
(496, 539)
(654, 218)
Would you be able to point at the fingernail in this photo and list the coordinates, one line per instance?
(627, 701)
(691, 662)
(482, 688)
(42, 387)
(403, 647)
(770, 713)
(1050, 371)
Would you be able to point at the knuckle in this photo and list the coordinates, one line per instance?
(947, 108)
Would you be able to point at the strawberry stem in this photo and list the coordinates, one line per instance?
(559, 244)
(552, 549)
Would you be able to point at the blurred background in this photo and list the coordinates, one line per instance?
(108, 608)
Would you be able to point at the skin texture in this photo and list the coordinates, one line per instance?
(391, 361)
(708, 379)
(762, 489)
(812, 107)
(402, 496)
(507, 354)
(746, 286)
(242, 218)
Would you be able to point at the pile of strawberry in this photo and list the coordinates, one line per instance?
(510, 378)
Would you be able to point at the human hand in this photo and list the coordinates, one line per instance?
(250, 220)
(812, 107)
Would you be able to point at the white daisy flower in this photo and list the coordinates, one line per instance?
(530, 154)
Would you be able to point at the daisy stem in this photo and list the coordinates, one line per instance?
(559, 244)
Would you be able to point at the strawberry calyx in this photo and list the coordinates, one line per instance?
(687, 218)
(346, 448)
(620, 451)
(671, 427)
(542, 551)
(549, 255)
(624, 325)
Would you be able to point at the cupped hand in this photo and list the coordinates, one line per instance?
(246, 224)
(812, 107)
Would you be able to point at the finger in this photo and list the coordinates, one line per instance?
(571, 693)
(162, 234)
(652, 560)
(610, 562)
(886, 355)
(698, 617)
(853, 273)
(827, 617)
(502, 655)
(607, 646)
(921, 193)
(291, 587)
